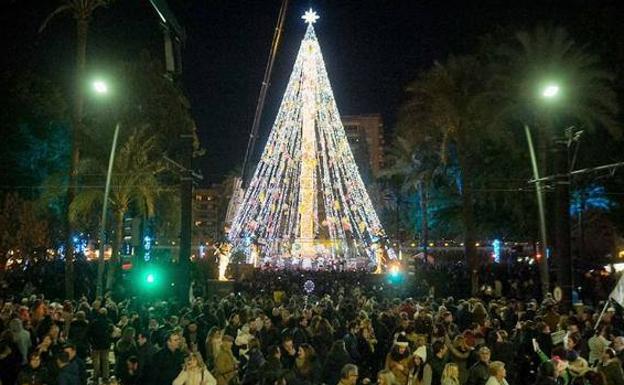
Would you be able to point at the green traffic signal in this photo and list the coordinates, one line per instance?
(150, 278)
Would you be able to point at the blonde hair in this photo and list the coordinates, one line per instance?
(451, 370)
(388, 376)
(200, 362)
(495, 366)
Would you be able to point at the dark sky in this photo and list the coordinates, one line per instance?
(371, 49)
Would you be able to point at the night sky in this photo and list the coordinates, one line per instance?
(372, 49)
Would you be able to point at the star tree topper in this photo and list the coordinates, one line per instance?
(310, 16)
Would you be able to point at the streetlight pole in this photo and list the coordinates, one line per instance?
(543, 261)
(111, 161)
(101, 88)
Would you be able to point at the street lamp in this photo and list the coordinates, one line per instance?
(101, 88)
(549, 92)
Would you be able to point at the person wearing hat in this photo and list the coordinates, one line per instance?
(480, 372)
(399, 360)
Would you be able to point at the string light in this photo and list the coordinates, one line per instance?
(306, 198)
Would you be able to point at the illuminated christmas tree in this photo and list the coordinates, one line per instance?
(306, 203)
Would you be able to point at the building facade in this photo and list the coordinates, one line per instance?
(366, 137)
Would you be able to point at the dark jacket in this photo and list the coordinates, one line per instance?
(333, 365)
(166, 366)
(100, 331)
(612, 372)
(32, 376)
(69, 375)
(79, 334)
(253, 369)
(478, 374)
(271, 370)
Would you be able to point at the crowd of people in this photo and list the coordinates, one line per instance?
(277, 328)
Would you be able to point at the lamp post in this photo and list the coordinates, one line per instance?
(101, 88)
(548, 93)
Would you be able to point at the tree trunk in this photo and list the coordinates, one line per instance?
(424, 207)
(82, 27)
(470, 249)
(116, 247)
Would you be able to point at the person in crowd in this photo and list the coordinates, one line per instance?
(21, 338)
(72, 352)
(385, 377)
(66, 372)
(34, 373)
(498, 374)
(547, 374)
(194, 337)
(226, 365)
(145, 350)
(349, 375)
(336, 359)
(450, 374)
(213, 344)
(131, 372)
(598, 343)
(78, 333)
(435, 365)
(10, 359)
(272, 368)
(479, 373)
(194, 372)
(253, 369)
(307, 370)
(124, 348)
(618, 346)
(100, 338)
(459, 353)
(399, 360)
(167, 362)
(289, 353)
(611, 368)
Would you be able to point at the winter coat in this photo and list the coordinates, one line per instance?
(479, 374)
(100, 333)
(226, 367)
(78, 334)
(166, 366)
(612, 371)
(400, 375)
(21, 338)
(30, 376)
(195, 377)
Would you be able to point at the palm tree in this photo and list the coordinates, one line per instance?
(449, 99)
(417, 165)
(134, 183)
(587, 100)
(81, 10)
(548, 54)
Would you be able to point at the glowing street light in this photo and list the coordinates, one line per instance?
(100, 87)
(551, 91)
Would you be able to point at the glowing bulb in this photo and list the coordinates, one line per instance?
(150, 278)
(100, 87)
(550, 91)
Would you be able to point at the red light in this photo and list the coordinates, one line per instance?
(538, 256)
(126, 266)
